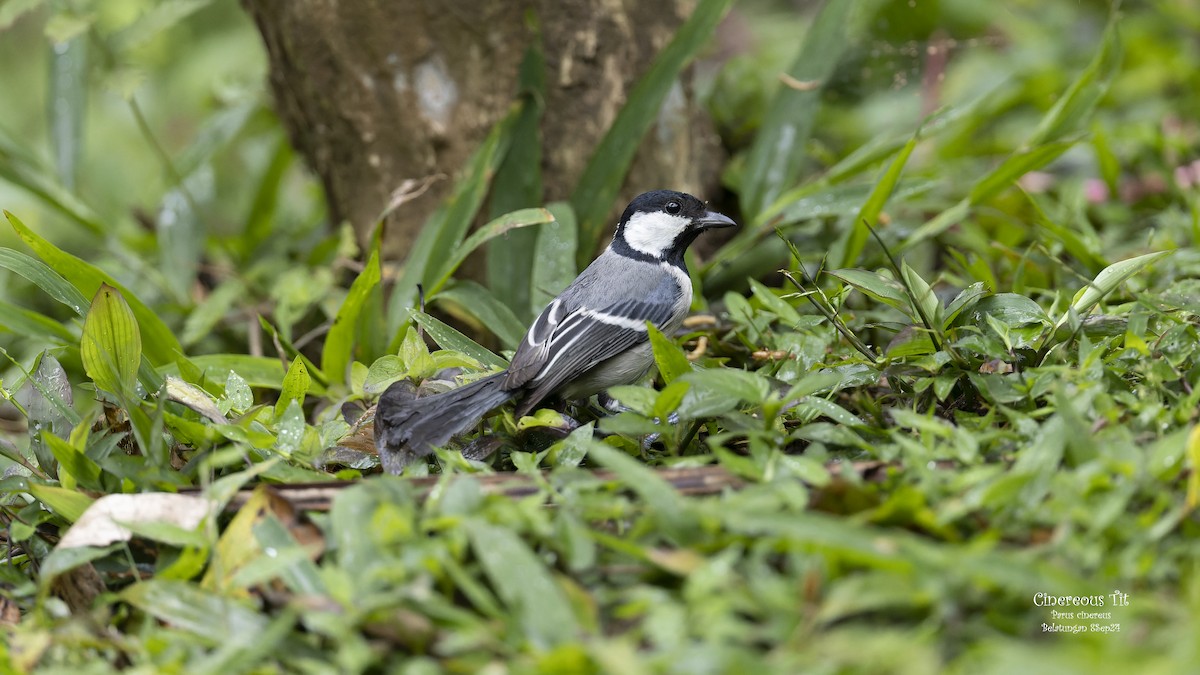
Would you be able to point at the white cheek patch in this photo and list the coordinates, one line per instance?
(654, 233)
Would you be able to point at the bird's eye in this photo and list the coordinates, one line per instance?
(673, 208)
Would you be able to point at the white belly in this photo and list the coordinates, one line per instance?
(625, 368)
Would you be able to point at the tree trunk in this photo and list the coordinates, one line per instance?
(373, 94)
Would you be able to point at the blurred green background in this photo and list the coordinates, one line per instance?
(1044, 144)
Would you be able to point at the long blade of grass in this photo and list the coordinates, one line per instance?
(1072, 111)
(518, 185)
(469, 299)
(20, 169)
(158, 341)
(260, 220)
(28, 323)
(597, 189)
(1012, 168)
(448, 338)
(777, 155)
(338, 349)
(67, 104)
(553, 257)
(51, 282)
(871, 209)
(258, 371)
(505, 224)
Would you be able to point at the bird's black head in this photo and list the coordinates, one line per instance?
(662, 224)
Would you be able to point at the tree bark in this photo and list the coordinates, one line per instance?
(373, 94)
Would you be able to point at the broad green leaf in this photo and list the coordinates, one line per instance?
(166, 532)
(64, 559)
(47, 401)
(669, 399)
(73, 461)
(1107, 281)
(260, 372)
(338, 351)
(881, 288)
(69, 504)
(637, 398)
(964, 301)
(663, 503)
(302, 575)
(290, 429)
(733, 384)
(1007, 308)
(469, 300)
(813, 406)
(597, 189)
(777, 156)
(214, 618)
(158, 342)
(295, 385)
(238, 396)
(553, 257)
(812, 383)
(913, 341)
(415, 354)
(111, 346)
(868, 216)
(669, 358)
(775, 304)
(382, 373)
(449, 338)
(534, 598)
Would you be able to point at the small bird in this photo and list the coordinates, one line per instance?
(591, 337)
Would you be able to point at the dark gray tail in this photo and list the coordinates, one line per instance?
(419, 424)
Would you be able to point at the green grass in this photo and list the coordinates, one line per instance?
(952, 370)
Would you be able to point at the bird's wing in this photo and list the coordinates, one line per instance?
(565, 343)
